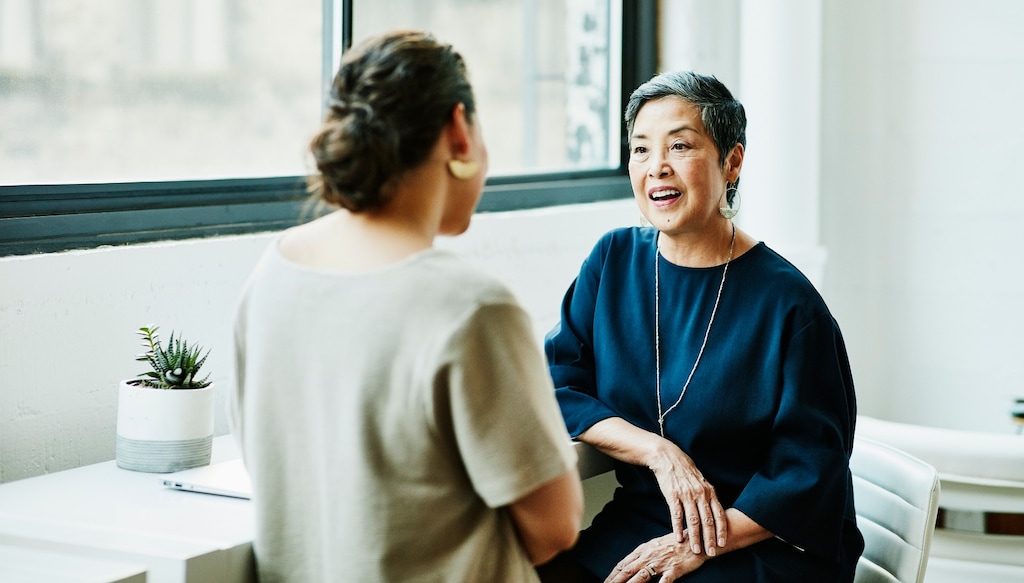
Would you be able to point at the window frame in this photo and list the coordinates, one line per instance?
(51, 218)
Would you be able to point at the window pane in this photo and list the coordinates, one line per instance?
(540, 68)
(157, 90)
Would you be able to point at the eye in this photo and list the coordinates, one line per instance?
(638, 153)
(680, 146)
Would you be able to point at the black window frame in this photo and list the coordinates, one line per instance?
(52, 218)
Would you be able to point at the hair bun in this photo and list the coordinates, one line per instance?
(391, 98)
(352, 152)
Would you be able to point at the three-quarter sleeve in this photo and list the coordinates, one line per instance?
(569, 348)
(802, 490)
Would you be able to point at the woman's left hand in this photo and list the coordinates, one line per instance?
(663, 557)
(693, 505)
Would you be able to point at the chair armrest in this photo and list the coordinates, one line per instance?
(979, 470)
(590, 461)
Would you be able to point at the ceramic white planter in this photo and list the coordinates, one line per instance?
(164, 430)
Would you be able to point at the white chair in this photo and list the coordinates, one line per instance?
(980, 472)
(897, 498)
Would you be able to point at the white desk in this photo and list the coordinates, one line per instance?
(109, 516)
(113, 524)
(24, 565)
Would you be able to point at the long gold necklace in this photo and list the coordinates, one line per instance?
(657, 331)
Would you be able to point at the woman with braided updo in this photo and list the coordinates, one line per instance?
(392, 406)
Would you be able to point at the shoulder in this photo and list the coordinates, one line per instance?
(263, 285)
(622, 243)
(626, 238)
(267, 267)
(775, 271)
(449, 284)
(780, 283)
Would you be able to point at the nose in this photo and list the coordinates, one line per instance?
(658, 166)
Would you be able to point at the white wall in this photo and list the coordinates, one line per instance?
(67, 336)
(68, 320)
(923, 130)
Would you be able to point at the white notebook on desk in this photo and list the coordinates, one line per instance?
(227, 478)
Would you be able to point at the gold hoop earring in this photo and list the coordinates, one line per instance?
(463, 170)
(731, 208)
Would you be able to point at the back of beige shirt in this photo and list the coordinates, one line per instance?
(387, 418)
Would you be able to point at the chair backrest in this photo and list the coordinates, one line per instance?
(897, 498)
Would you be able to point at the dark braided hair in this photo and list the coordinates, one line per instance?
(391, 97)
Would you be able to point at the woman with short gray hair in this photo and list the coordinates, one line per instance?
(708, 367)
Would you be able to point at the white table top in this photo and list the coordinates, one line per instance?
(103, 512)
(117, 520)
(19, 564)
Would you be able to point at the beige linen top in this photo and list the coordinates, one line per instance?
(388, 418)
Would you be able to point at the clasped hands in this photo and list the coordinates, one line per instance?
(699, 523)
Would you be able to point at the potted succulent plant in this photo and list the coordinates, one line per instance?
(165, 414)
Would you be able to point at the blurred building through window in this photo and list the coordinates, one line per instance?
(97, 91)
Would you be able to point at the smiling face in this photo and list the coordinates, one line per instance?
(678, 182)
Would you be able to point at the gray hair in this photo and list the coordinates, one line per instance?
(722, 115)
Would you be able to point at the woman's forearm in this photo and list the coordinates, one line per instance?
(743, 531)
(692, 502)
(623, 441)
(674, 559)
(630, 444)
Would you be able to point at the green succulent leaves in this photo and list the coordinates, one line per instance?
(175, 367)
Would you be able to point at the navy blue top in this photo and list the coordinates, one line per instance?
(768, 417)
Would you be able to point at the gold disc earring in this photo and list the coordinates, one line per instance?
(463, 170)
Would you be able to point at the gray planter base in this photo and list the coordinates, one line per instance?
(161, 457)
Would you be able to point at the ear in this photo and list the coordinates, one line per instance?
(734, 163)
(458, 131)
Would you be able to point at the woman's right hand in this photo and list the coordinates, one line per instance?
(692, 501)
